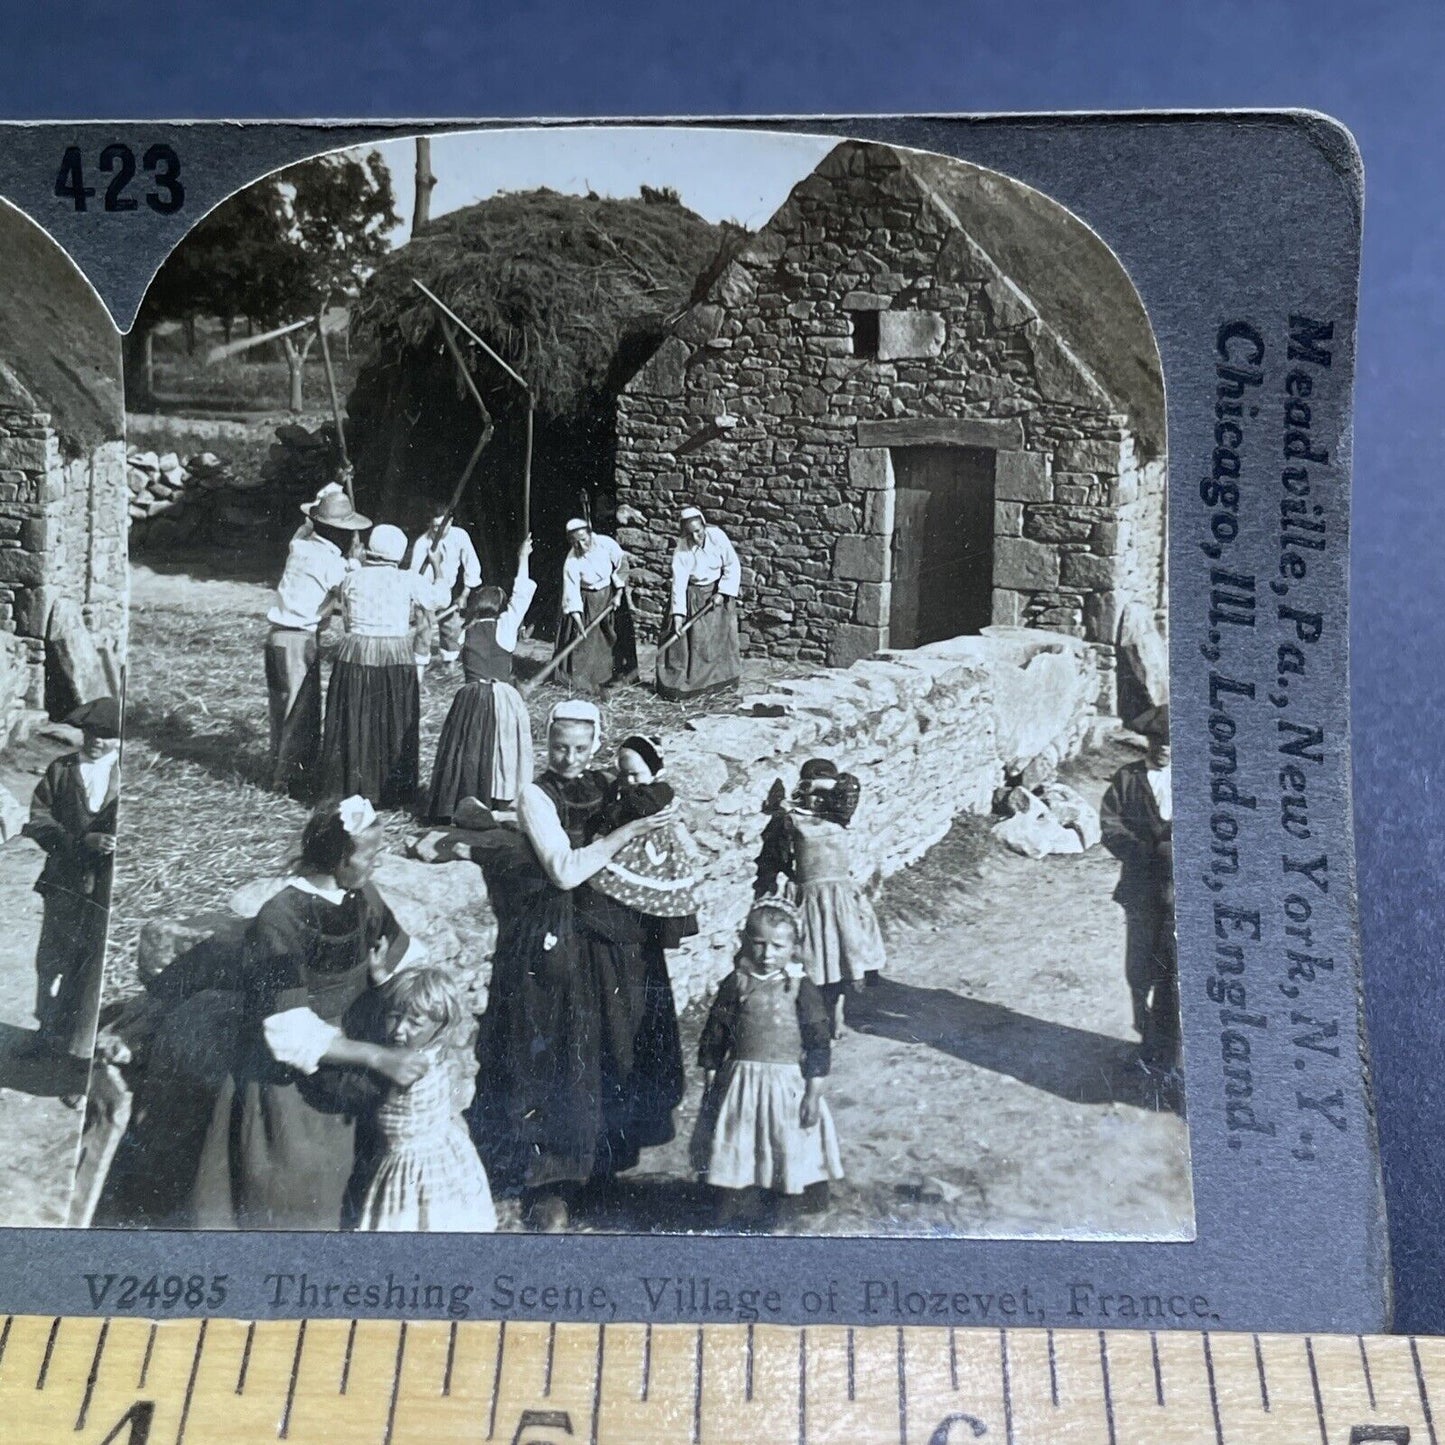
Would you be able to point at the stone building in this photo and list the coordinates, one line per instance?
(923, 399)
(63, 494)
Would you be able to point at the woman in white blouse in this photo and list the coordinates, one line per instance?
(581, 1064)
(372, 742)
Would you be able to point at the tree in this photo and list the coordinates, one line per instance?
(275, 253)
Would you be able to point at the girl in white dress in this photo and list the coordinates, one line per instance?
(428, 1177)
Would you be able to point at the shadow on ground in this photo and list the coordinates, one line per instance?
(1074, 1064)
(42, 1076)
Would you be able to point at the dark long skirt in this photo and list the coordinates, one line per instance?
(610, 652)
(708, 657)
(372, 744)
(485, 750)
(69, 966)
(581, 1063)
(293, 689)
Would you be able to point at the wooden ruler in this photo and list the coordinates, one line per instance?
(323, 1382)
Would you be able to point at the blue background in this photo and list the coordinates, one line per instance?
(1377, 67)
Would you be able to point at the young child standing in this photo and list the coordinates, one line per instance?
(428, 1177)
(764, 1051)
(806, 844)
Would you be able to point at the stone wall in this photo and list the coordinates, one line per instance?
(863, 318)
(931, 733)
(62, 535)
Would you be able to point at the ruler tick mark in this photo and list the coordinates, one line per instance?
(1424, 1394)
(1108, 1391)
(646, 1363)
(145, 1364)
(748, 1379)
(5, 1335)
(1008, 1403)
(697, 1391)
(852, 1379)
(1365, 1366)
(1053, 1373)
(953, 1356)
(597, 1387)
(395, 1385)
(93, 1376)
(246, 1359)
(1259, 1369)
(49, 1350)
(1158, 1371)
(551, 1356)
(191, 1382)
(1213, 1390)
(803, 1387)
(1315, 1386)
(902, 1390)
(451, 1359)
(346, 1359)
(497, 1380)
(285, 1429)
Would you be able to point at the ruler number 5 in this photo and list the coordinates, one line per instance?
(160, 162)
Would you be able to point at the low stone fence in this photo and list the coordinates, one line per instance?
(931, 733)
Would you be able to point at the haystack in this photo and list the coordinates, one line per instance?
(574, 292)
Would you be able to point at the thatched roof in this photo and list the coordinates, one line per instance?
(1077, 284)
(567, 288)
(59, 350)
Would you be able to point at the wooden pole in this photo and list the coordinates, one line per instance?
(689, 624)
(231, 348)
(527, 473)
(437, 301)
(531, 686)
(335, 404)
(425, 181)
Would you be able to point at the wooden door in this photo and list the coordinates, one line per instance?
(943, 543)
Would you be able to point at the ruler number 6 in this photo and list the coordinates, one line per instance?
(160, 162)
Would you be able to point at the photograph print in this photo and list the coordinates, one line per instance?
(63, 585)
(647, 706)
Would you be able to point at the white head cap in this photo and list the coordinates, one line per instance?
(387, 543)
(688, 513)
(578, 710)
(577, 525)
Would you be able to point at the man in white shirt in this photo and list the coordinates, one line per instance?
(316, 563)
(594, 585)
(1136, 817)
(700, 651)
(445, 551)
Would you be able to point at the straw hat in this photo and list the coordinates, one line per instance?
(334, 509)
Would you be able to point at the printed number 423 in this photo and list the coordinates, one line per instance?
(160, 162)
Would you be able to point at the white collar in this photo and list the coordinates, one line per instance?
(331, 895)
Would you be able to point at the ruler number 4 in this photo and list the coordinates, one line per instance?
(160, 162)
(139, 1418)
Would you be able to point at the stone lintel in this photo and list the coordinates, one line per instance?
(994, 433)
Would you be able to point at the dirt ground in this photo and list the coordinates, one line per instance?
(40, 1133)
(989, 1086)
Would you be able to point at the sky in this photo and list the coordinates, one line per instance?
(741, 176)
